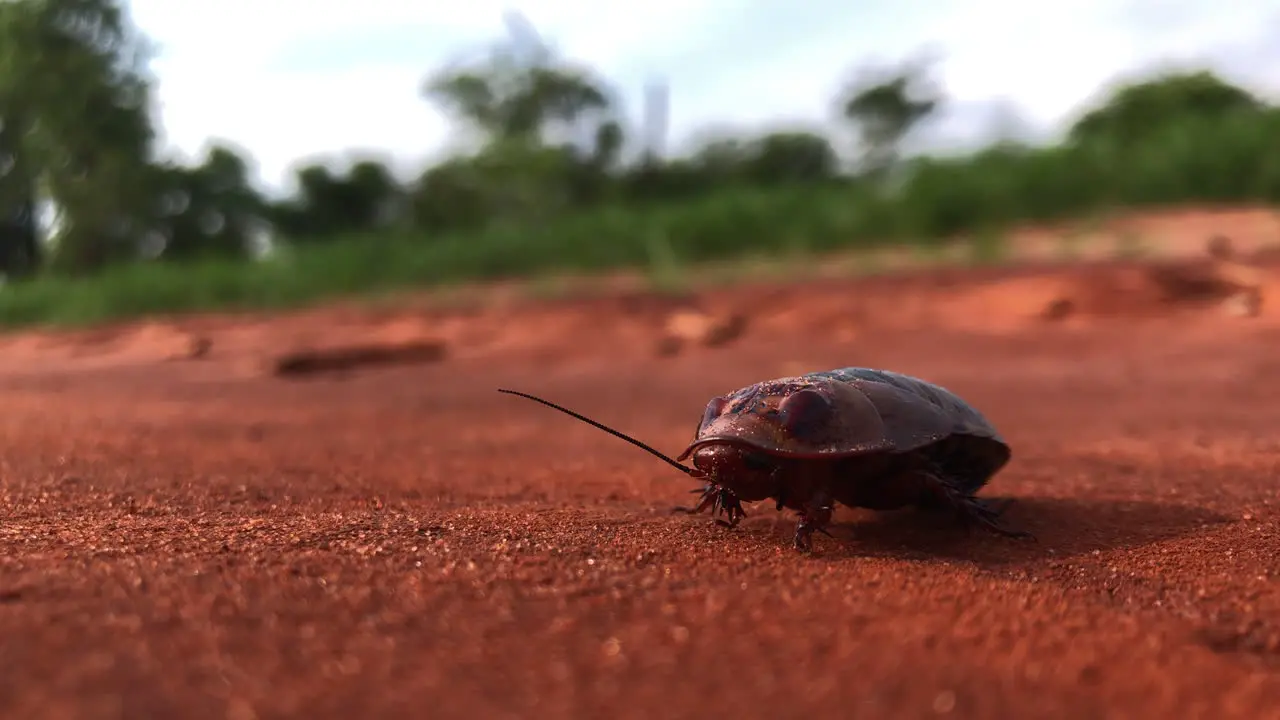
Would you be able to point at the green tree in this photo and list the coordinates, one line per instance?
(507, 100)
(20, 247)
(1136, 109)
(73, 87)
(722, 158)
(208, 210)
(549, 134)
(365, 198)
(885, 104)
(791, 157)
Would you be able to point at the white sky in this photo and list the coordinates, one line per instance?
(298, 80)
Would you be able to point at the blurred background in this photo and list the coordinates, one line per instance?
(165, 155)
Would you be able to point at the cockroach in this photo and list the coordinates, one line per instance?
(861, 437)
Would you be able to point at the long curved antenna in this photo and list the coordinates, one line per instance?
(691, 472)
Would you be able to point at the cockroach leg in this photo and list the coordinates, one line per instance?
(814, 518)
(720, 500)
(971, 511)
(976, 511)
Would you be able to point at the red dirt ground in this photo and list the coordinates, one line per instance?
(197, 538)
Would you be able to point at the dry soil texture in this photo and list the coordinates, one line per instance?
(198, 538)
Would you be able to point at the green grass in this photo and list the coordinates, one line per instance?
(667, 244)
(1232, 160)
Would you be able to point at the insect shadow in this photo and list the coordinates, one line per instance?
(1063, 527)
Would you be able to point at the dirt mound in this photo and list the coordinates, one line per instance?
(1217, 281)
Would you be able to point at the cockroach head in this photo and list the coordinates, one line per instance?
(792, 418)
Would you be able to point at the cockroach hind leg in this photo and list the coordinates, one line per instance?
(972, 511)
(994, 506)
(986, 514)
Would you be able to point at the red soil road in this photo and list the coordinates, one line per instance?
(198, 539)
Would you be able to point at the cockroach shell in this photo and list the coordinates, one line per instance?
(795, 417)
(865, 411)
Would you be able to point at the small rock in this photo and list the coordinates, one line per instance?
(726, 331)
(1220, 247)
(199, 347)
(1058, 309)
(194, 347)
(693, 326)
(668, 346)
(944, 702)
(1247, 303)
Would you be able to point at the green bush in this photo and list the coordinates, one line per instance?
(1226, 158)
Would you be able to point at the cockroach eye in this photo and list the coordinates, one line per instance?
(757, 463)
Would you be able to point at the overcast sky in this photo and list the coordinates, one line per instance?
(298, 80)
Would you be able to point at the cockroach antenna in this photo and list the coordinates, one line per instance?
(692, 472)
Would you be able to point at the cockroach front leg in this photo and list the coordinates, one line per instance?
(720, 500)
